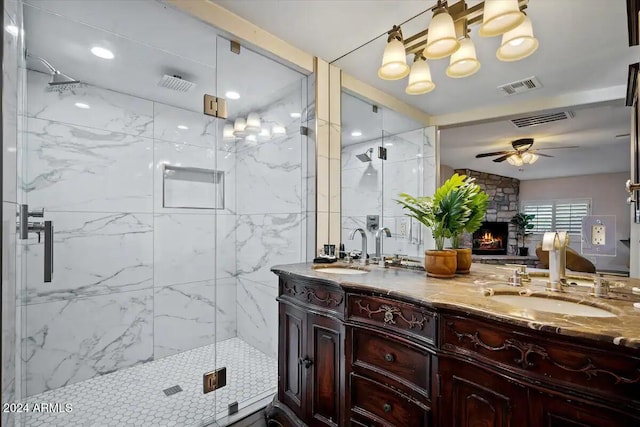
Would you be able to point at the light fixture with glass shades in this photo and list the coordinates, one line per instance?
(252, 129)
(448, 36)
(522, 159)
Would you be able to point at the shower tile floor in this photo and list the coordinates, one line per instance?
(135, 397)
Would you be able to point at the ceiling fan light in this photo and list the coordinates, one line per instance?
(534, 158)
(420, 81)
(518, 43)
(511, 160)
(394, 61)
(526, 157)
(499, 17)
(464, 61)
(441, 36)
(239, 126)
(517, 160)
(227, 132)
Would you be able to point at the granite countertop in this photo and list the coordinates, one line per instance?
(471, 293)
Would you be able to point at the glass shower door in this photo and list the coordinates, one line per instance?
(120, 187)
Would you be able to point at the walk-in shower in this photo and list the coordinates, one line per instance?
(58, 80)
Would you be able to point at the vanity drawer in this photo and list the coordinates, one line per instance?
(602, 370)
(373, 403)
(401, 317)
(314, 294)
(391, 359)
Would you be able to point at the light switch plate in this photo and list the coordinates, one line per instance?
(599, 235)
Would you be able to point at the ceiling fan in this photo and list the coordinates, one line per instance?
(522, 152)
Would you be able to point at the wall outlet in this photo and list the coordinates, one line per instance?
(598, 234)
(403, 227)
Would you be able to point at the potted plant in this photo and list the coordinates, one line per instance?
(445, 213)
(477, 202)
(523, 225)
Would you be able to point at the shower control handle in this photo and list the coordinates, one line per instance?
(306, 362)
(48, 251)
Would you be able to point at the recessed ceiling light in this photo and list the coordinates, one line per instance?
(231, 94)
(356, 133)
(183, 127)
(82, 105)
(295, 115)
(101, 52)
(12, 29)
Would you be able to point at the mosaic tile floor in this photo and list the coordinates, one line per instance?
(135, 397)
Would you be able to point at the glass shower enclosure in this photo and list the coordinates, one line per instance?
(144, 228)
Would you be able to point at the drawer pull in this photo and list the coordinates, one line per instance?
(389, 357)
(306, 362)
(387, 407)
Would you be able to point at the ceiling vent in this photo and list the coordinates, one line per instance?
(176, 83)
(541, 119)
(525, 85)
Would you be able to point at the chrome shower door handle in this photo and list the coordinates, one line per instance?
(48, 251)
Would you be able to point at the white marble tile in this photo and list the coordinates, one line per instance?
(269, 177)
(400, 177)
(200, 129)
(94, 253)
(10, 77)
(226, 226)
(349, 159)
(266, 240)
(226, 307)
(185, 155)
(184, 248)
(429, 176)
(109, 110)
(258, 315)
(70, 341)
(404, 146)
(361, 190)
(78, 168)
(9, 342)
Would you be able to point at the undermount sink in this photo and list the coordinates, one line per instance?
(341, 270)
(551, 305)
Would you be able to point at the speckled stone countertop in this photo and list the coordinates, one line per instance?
(472, 293)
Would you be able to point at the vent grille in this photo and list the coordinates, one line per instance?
(540, 119)
(176, 83)
(525, 85)
(172, 390)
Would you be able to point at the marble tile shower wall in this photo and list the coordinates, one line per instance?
(272, 183)
(133, 281)
(371, 188)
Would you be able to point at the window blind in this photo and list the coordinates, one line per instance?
(557, 215)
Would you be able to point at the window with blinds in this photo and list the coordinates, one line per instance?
(557, 215)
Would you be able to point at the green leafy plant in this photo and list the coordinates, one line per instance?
(446, 213)
(523, 223)
(477, 201)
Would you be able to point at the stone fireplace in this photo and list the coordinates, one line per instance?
(503, 204)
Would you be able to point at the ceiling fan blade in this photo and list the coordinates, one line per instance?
(495, 153)
(555, 148)
(503, 158)
(543, 155)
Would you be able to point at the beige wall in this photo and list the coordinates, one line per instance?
(608, 197)
(446, 172)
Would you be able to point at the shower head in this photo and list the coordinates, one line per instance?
(59, 81)
(364, 157)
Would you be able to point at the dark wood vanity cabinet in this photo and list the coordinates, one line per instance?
(352, 358)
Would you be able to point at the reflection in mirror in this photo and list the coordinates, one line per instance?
(371, 183)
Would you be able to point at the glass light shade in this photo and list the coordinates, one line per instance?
(499, 17)
(394, 61)
(265, 133)
(420, 78)
(534, 158)
(464, 61)
(253, 123)
(441, 36)
(515, 160)
(278, 130)
(239, 126)
(518, 43)
(251, 138)
(227, 132)
(526, 157)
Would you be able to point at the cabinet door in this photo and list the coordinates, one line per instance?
(556, 411)
(325, 349)
(474, 397)
(292, 377)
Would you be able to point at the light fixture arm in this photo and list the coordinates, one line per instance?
(395, 33)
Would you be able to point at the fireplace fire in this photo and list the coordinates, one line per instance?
(491, 239)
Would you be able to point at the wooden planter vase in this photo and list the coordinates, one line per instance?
(463, 260)
(441, 264)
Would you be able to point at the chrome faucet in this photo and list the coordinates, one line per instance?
(600, 287)
(387, 233)
(556, 243)
(363, 256)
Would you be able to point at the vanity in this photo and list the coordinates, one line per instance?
(374, 346)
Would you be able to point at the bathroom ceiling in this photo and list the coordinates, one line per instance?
(148, 40)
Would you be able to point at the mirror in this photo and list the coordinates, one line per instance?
(384, 153)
